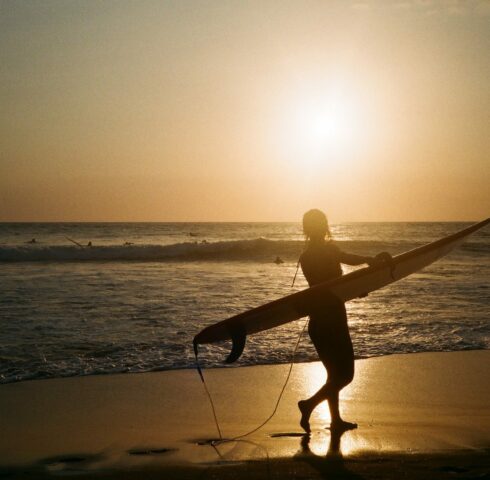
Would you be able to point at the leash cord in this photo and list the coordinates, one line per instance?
(295, 273)
(267, 420)
(223, 440)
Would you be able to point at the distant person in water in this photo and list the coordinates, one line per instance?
(32, 241)
(278, 260)
(328, 327)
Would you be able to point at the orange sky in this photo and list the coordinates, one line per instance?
(244, 111)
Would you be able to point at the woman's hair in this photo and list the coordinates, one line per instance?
(315, 224)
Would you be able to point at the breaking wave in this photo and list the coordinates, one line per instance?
(257, 250)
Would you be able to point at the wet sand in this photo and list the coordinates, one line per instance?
(419, 415)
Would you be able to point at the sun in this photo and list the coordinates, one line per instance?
(324, 126)
(323, 130)
(328, 125)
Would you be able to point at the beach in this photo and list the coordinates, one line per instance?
(424, 415)
(189, 193)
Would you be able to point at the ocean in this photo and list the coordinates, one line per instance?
(135, 298)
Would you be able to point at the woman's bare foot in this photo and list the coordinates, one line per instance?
(342, 426)
(305, 415)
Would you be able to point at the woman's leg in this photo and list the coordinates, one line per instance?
(336, 421)
(330, 335)
(330, 392)
(307, 406)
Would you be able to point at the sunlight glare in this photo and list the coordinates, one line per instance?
(325, 127)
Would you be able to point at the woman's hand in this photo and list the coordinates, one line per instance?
(371, 261)
(380, 258)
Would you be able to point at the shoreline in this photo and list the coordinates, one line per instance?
(433, 406)
(234, 366)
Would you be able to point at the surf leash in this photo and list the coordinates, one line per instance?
(283, 387)
(295, 273)
(269, 418)
(199, 370)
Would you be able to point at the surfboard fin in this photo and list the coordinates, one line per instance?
(238, 337)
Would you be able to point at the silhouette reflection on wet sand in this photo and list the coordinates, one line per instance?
(331, 465)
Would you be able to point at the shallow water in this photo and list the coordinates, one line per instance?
(67, 310)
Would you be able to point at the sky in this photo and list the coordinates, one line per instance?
(244, 110)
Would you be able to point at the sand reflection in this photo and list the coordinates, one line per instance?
(325, 454)
(327, 443)
(323, 441)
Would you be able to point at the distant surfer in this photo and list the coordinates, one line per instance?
(32, 241)
(278, 260)
(328, 327)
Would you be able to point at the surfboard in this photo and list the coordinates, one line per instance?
(356, 284)
(75, 242)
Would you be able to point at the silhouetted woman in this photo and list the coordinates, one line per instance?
(328, 321)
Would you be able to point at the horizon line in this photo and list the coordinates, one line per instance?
(230, 221)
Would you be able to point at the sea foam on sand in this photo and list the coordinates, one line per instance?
(421, 405)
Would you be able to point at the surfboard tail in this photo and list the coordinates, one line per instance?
(236, 332)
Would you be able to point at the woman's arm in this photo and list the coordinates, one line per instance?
(351, 259)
